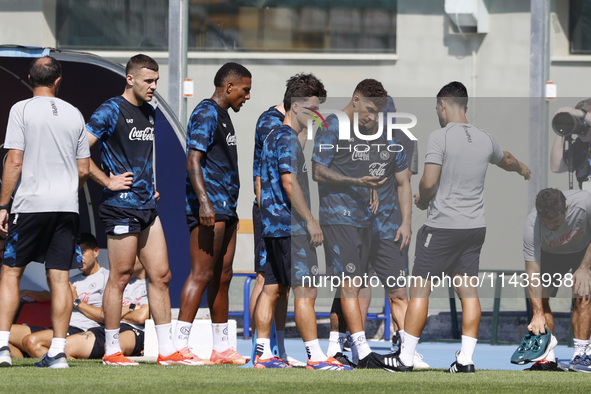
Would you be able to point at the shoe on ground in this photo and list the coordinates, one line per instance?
(228, 356)
(273, 362)
(583, 364)
(330, 364)
(58, 361)
(456, 367)
(389, 362)
(5, 359)
(340, 357)
(543, 365)
(292, 361)
(186, 352)
(418, 362)
(118, 359)
(534, 348)
(177, 358)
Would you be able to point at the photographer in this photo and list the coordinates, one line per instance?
(568, 155)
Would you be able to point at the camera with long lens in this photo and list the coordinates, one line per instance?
(564, 124)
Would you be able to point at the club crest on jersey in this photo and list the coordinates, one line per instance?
(151, 120)
(231, 139)
(377, 169)
(141, 135)
(384, 155)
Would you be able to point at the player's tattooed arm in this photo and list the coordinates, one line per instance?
(195, 172)
(323, 174)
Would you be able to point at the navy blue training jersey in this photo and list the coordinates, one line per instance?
(342, 205)
(126, 136)
(390, 159)
(282, 153)
(210, 131)
(268, 120)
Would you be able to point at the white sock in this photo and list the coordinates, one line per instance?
(401, 335)
(360, 343)
(221, 342)
(264, 348)
(408, 347)
(354, 352)
(164, 334)
(580, 346)
(58, 345)
(314, 351)
(182, 331)
(281, 343)
(334, 343)
(4, 338)
(467, 350)
(112, 345)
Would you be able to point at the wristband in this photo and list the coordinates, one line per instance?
(77, 302)
(132, 307)
(7, 207)
(422, 202)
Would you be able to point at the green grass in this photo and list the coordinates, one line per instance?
(92, 376)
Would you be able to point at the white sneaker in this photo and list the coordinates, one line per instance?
(418, 362)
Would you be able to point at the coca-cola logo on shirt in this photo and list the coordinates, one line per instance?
(377, 169)
(142, 135)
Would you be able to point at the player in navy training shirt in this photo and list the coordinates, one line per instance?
(211, 197)
(124, 128)
(290, 231)
(345, 182)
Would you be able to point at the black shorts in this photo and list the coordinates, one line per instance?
(138, 349)
(559, 264)
(389, 262)
(120, 221)
(71, 329)
(48, 237)
(278, 267)
(98, 349)
(193, 220)
(347, 250)
(260, 254)
(448, 251)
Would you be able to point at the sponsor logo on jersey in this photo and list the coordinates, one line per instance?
(357, 155)
(377, 169)
(151, 120)
(305, 167)
(129, 121)
(141, 135)
(231, 139)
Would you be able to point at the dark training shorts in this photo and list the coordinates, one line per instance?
(557, 265)
(120, 221)
(46, 237)
(347, 250)
(389, 262)
(449, 251)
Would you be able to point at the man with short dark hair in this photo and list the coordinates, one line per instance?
(449, 243)
(124, 128)
(211, 197)
(344, 174)
(556, 242)
(48, 153)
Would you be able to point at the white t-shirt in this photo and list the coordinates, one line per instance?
(572, 236)
(136, 292)
(463, 151)
(90, 289)
(52, 135)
